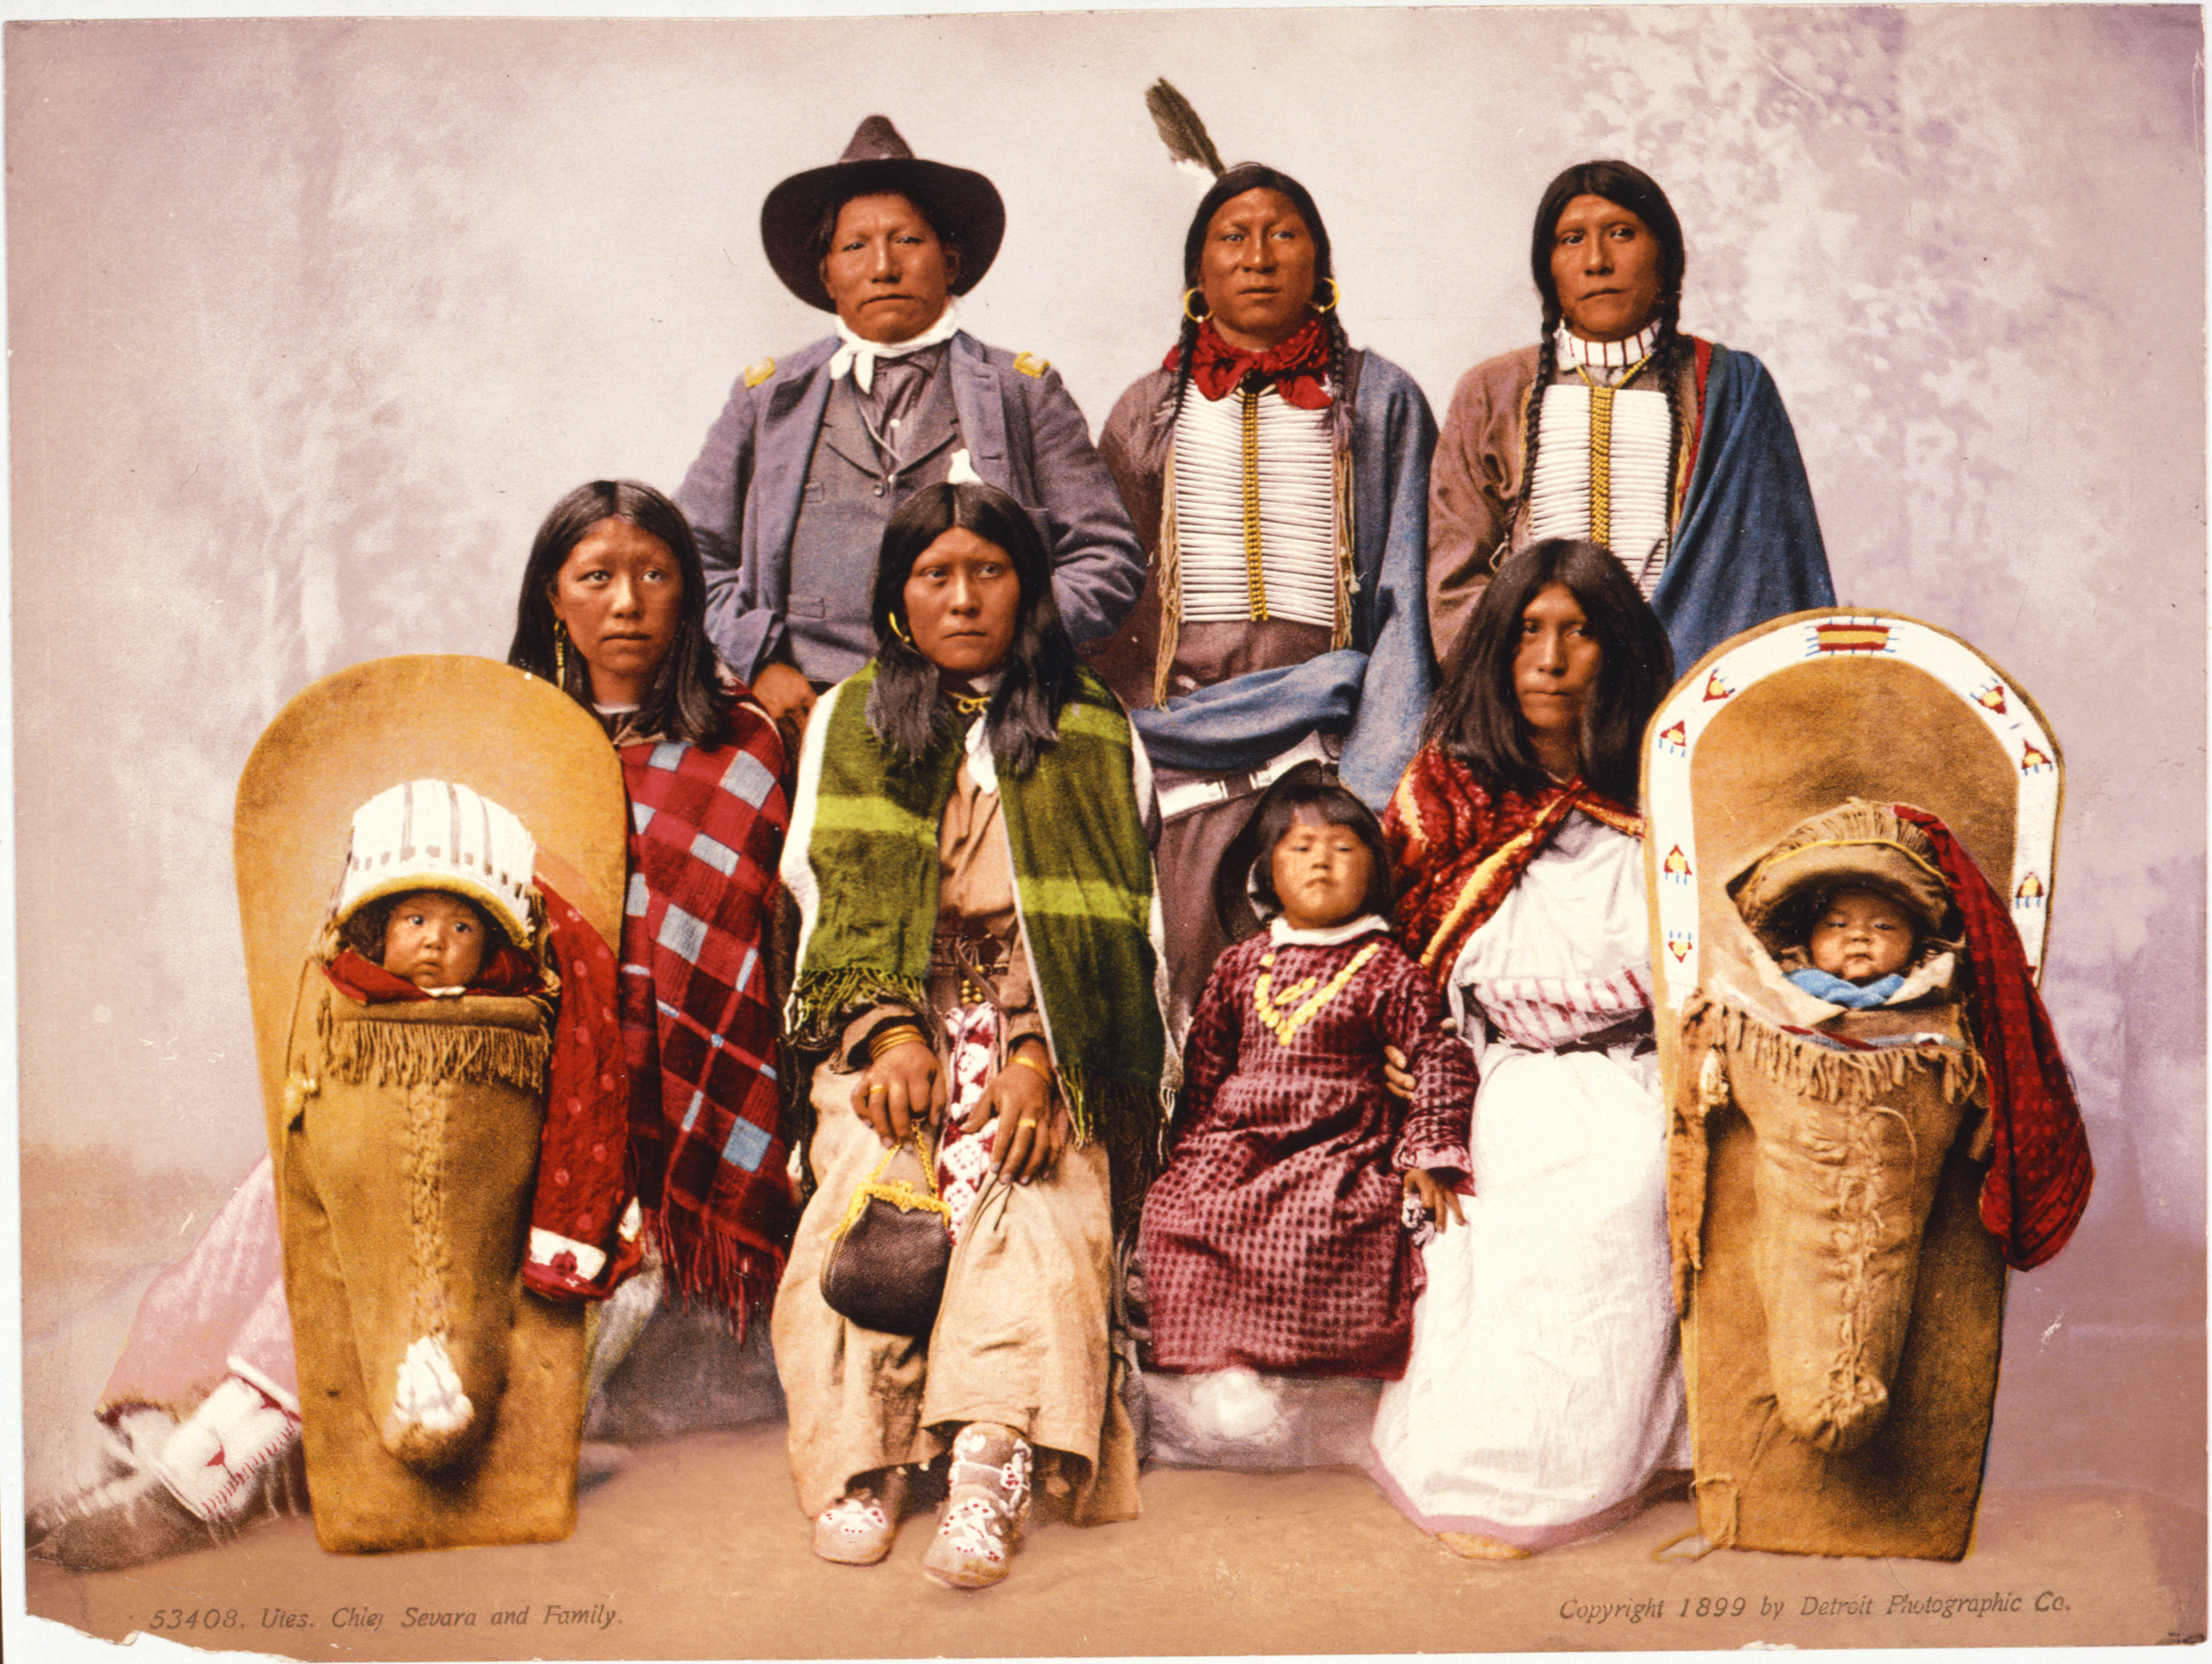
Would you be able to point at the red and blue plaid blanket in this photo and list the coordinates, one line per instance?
(699, 1024)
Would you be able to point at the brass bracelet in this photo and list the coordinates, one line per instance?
(890, 1039)
(1028, 1062)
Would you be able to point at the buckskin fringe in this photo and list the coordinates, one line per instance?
(1688, 1156)
(370, 1051)
(1808, 1070)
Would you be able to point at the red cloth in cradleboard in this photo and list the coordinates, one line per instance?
(2040, 1175)
(583, 1169)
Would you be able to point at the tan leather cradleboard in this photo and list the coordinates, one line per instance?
(344, 1164)
(1842, 1303)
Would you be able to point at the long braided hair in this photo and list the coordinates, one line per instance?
(1258, 176)
(1625, 186)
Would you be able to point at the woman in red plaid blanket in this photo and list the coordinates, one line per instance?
(613, 609)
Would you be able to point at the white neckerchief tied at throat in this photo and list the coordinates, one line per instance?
(858, 355)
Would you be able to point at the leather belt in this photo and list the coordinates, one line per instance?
(1635, 1029)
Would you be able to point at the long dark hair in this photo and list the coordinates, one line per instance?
(1476, 714)
(1624, 186)
(1258, 176)
(687, 700)
(1039, 672)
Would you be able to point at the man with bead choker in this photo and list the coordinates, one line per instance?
(1673, 451)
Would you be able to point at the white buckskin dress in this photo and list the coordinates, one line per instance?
(1543, 1401)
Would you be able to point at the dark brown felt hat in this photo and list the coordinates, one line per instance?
(966, 206)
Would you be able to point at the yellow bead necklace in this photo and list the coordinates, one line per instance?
(1285, 1025)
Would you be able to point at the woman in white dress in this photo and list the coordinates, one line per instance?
(1543, 1402)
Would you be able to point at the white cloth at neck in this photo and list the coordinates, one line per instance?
(1284, 936)
(858, 355)
(982, 766)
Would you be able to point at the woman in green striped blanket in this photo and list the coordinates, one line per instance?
(976, 994)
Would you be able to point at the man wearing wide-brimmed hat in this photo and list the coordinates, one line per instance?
(814, 452)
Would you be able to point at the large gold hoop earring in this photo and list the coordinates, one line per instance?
(1335, 298)
(891, 618)
(1196, 317)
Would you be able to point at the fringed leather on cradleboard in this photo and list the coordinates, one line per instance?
(1810, 1198)
(1841, 1298)
(387, 1105)
(406, 1136)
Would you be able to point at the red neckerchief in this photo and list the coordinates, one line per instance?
(2040, 1173)
(1458, 847)
(508, 972)
(1298, 368)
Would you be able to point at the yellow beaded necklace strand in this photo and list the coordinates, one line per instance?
(1285, 1025)
(1601, 447)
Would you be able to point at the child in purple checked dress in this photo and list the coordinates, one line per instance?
(1278, 1262)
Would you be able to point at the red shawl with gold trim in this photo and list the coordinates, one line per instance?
(1458, 847)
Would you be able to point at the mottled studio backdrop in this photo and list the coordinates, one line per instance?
(311, 321)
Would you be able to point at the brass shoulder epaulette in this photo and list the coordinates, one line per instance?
(1030, 364)
(756, 373)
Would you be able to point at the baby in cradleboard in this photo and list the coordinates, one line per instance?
(433, 940)
(440, 1227)
(1859, 943)
(1277, 1247)
(1922, 1066)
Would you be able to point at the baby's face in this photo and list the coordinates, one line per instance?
(1321, 874)
(1860, 935)
(434, 939)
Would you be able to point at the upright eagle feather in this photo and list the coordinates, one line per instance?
(1181, 130)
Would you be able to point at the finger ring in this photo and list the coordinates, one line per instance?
(877, 1087)
(1026, 1121)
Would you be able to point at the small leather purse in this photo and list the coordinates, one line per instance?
(886, 1265)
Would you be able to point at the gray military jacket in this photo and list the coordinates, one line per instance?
(1022, 433)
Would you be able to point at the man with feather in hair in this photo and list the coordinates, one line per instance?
(1278, 477)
